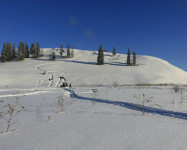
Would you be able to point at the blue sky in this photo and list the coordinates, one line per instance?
(150, 27)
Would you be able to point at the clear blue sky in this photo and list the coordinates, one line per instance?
(150, 27)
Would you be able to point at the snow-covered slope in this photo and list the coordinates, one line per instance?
(83, 71)
(96, 117)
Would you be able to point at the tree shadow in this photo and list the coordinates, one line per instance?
(64, 58)
(81, 62)
(95, 63)
(117, 64)
(136, 107)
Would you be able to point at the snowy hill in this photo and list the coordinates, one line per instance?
(95, 113)
(83, 71)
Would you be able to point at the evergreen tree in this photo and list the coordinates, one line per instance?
(114, 51)
(22, 49)
(9, 51)
(100, 58)
(14, 50)
(68, 52)
(37, 50)
(32, 49)
(134, 58)
(21, 54)
(61, 50)
(128, 57)
(3, 53)
(26, 49)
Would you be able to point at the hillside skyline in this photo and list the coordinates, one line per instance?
(154, 28)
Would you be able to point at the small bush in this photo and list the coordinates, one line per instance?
(7, 115)
(176, 88)
(59, 104)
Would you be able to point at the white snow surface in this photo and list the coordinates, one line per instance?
(83, 71)
(89, 125)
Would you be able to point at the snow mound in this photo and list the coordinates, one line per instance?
(83, 71)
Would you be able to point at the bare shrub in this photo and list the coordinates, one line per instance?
(59, 104)
(8, 114)
(181, 92)
(143, 100)
(176, 88)
(94, 94)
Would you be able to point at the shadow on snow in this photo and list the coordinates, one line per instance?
(95, 63)
(132, 106)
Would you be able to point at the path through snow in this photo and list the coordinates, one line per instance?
(51, 78)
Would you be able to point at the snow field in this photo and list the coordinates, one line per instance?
(89, 125)
(85, 125)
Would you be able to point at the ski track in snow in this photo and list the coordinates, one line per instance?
(17, 70)
(58, 82)
(24, 94)
(50, 84)
(179, 115)
(52, 76)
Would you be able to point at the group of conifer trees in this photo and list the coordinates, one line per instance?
(61, 50)
(9, 51)
(23, 51)
(70, 51)
(130, 62)
(35, 50)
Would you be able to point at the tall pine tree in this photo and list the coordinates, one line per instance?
(37, 51)
(21, 49)
(100, 57)
(9, 51)
(134, 58)
(32, 49)
(26, 50)
(128, 57)
(68, 51)
(61, 50)
(3, 53)
(114, 51)
(14, 51)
